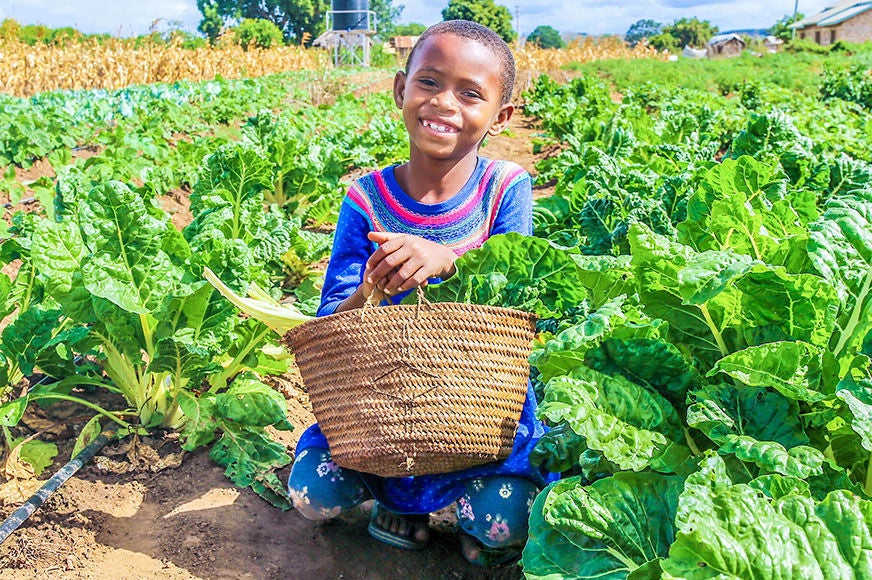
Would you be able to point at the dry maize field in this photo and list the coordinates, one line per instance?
(113, 64)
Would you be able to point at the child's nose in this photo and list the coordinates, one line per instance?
(444, 100)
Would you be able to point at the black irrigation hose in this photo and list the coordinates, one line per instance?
(58, 479)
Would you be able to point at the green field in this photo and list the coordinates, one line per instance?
(702, 276)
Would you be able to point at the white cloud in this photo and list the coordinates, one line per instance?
(130, 17)
(124, 17)
(598, 17)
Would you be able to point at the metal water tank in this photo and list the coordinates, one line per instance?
(350, 14)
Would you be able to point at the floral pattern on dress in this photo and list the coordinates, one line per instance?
(465, 509)
(499, 530)
(506, 490)
(299, 497)
(327, 468)
(531, 499)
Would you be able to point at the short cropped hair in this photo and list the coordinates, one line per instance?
(484, 36)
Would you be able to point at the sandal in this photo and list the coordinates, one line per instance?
(407, 540)
(488, 557)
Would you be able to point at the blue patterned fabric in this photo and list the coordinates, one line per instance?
(493, 510)
(428, 493)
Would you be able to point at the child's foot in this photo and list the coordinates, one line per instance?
(476, 553)
(407, 531)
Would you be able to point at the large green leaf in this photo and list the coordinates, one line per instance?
(28, 335)
(730, 206)
(707, 274)
(622, 420)
(201, 422)
(249, 456)
(705, 327)
(730, 530)
(781, 306)
(516, 271)
(58, 253)
(126, 264)
(250, 402)
(58, 250)
(604, 277)
(840, 247)
(605, 530)
(857, 395)
(560, 354)
(652, 361)
(721, 410)
(797, 370)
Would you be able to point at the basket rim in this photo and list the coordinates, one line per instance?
(358, 312)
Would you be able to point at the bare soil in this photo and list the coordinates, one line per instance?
(190, 522)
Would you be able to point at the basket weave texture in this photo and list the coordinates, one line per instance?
(416, 389)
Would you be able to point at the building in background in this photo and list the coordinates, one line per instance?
(847, 20)
(725, 45)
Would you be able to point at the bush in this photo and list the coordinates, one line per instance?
(852, 85)
(801, 45)
(259, 33)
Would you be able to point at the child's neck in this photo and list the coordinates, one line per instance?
(434, 181)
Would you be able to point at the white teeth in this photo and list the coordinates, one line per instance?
(440, 128)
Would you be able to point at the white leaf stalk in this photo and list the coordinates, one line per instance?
(260, 305)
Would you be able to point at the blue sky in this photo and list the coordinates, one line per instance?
(131, 17)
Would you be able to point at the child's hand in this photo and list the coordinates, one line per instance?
(404, 261)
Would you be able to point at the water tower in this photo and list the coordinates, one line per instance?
(350, 28)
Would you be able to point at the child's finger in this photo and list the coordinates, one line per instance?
(381, 264)
(401, 282)
(382, 237)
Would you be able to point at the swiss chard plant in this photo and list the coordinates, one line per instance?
(724, 388)
(111, 280)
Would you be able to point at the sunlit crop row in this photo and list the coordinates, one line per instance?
(27, 70)
(531, 58)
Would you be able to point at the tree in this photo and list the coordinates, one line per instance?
(641, 30)
(386, 16)
(691, 32)
(292, 17)
(212, 22)
(665, 41)
(782, 29)
(410, 29)
(258, 32)
(545, 36)
(485, 12)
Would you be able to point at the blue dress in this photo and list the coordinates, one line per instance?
(496, 199)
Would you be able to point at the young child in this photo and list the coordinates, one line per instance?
(403, 227)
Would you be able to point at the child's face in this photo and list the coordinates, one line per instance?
(451, 97)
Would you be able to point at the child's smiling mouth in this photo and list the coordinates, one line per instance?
(439, 127)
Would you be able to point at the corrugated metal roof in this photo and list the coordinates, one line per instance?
(845, 14)
(833, 14)
(721, 38)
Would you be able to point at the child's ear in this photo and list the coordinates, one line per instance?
(399, 88)
(501, 120)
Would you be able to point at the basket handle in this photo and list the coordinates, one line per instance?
(376, 296)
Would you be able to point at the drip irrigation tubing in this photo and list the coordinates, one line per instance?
(20, 515)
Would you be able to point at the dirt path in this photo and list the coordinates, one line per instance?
(191, 523)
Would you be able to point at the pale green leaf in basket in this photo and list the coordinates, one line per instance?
(279, 317)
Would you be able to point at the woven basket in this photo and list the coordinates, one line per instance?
(416, 389)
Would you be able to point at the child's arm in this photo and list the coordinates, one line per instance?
(404, 261)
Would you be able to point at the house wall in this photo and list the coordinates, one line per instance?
(856, 29)
(729, 48)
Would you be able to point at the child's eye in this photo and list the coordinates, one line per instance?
(427, 82)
